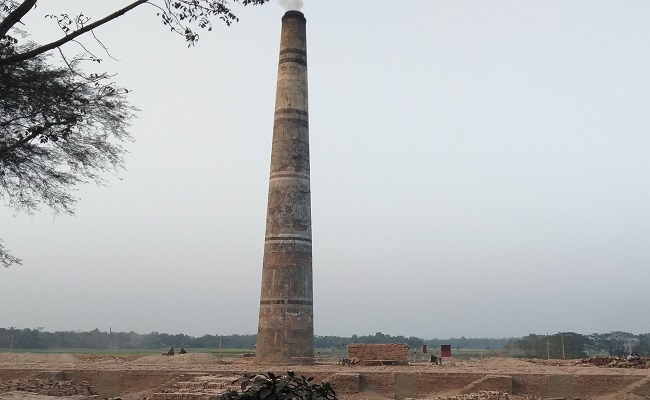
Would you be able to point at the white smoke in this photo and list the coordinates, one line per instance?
(291, 4)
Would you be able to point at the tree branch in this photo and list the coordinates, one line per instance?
(67, 38)
(15, 16)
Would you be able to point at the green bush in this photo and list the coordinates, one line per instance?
(271, 387)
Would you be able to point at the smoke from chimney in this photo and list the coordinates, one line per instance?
(291, 4)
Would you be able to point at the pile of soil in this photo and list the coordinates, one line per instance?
(102, 357)
(35, 358)
(502, 363)
(179, 359)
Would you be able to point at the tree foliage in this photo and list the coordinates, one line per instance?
(60, 127)
(271, 387)
(569, 345)
(614, 343)
(180, 16)
(67, 133)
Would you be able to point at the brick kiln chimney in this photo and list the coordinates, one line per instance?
(286, 328)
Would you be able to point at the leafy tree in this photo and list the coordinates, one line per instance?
(560, 345)
(643, 347)
(414, 342)
(60, 127)
(614, 343)
(532, 346)
(272, 387)
(575, 344)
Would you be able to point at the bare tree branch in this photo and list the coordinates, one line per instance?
(67, 38)
(15, 16)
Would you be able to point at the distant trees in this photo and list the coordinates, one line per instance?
(643, 347)
(96, 339)
(615, 343)
(569, 345)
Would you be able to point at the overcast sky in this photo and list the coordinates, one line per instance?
(478, 168)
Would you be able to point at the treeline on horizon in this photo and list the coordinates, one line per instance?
(569, 345)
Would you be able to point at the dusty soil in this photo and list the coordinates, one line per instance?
(191, 361)
(195, 362)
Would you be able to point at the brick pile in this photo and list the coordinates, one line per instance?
(481, 395)
(49, 387)
(209, 387)
(368, 354)
(614, 362)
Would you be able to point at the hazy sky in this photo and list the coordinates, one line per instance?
(478, 168)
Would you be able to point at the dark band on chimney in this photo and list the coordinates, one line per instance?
(294, 14)
(296, 60)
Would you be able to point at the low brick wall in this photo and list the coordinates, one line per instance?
(367, 353)
(348, 382)
(435, 384)
(499, 383)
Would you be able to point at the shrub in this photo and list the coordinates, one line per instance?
(272, 387)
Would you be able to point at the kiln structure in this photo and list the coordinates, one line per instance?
(286, 328)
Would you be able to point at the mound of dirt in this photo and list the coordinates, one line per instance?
(36, 358)
(502, 363)
(89, 358)
(182, 359)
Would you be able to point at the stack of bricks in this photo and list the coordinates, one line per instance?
(396, 354)
(201, 388)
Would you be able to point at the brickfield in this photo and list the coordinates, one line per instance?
(203, 377)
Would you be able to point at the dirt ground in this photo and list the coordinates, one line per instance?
(497, 365)
(205, 362)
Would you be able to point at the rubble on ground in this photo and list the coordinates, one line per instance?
(481, 395)
(614, 362)
(209, 387)
(48, 387)
(606, 362)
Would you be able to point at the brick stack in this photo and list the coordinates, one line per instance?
(615, 362)
(201, 388)
(396, 354)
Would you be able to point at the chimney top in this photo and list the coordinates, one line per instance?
(294, 14)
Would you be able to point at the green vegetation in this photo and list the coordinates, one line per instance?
(225, 353)
(574, 345)
(272, 387)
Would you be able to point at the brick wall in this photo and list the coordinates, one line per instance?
(398, 353)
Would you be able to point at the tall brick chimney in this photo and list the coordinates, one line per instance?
(286, 327)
